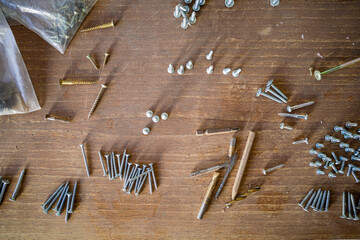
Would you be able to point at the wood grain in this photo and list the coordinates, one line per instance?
(265, 42)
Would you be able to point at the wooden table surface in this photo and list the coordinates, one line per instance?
(265, 42)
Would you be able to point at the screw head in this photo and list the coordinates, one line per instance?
(258, 93)
(164, 116)
(269, 83)
(317, 75)
(5, 181)
(155, 119)
(282, 125)
(288, 108)
(320, 172)
(146, 131)
(229, 4)
(149, 113)
(306, 117)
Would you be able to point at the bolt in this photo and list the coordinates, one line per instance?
(98, 97)
(71, 209)
(146, 131)
(318, 163)
(184, 25)
(105, 59)
(236, 72)
(343, 145)
(210, 69)
(226, 71)
(192, 19)
(52, 196)
(269, 170)
(332, 165)
(68, 206)
(320, 172)
(155, 119)
(196, 6)
(301, 204)
(108, 165)
(321, 155)
(229, 3)
(350, 124)
(92, 61)
(189, 64)
(342, 167)
(310, 202)
(343, 205)
(270, 83)
(13, 197)
(177, 13)
(331, 175)
(106, 25)
(313, 204)
(335, 158)
(4, 185)
(290, 109)
(305, 117)
(327, 201)
(305, 140)
(58, 213)
(85, 160)
(349, 150)
(164, 116)
(267, 89)
(349, 206)
(102, 163)
(259, 92)
(56, 196)
(319, 145)
(335, 140)
(313, 152)
(180, 71)
(149, 113)
(337, 128)
(209, 55)
(62, 195)
(274, 3)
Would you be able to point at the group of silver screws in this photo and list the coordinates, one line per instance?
(278, 96)
(318, 200)
(181, 70)
(61, 194)
(349, 201)
(155, 118)
(182, 10)
(133, 175)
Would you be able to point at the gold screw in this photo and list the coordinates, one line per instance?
(56, 118)
(75, 82)
(103, 86)
(105, 59)
(106, 25)
(92, 61)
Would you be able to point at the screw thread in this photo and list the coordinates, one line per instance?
(106, 25)
(98, 97)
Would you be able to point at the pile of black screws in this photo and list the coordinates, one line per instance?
(133, 175)
(318, 200)
(326, 162)
(61, 194)
(350, 202)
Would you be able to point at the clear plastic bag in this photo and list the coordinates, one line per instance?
(56, 21)
(17, 94)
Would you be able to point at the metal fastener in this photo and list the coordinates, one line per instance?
(52, 196)
(58, 213)
(349, 206)
(342, 158)
(98, 97)
(328, 138)
(155, 119)
(122, 166)
(236, 72)
(327, 201)
(319, 201)
(196, 6)
(187, 1)
(57, 118)
(14, 195)
(342, 167)
(210, 55)
(184, 25)
(301, 141)
(210, 69)
(183, 8)
(335, 140)
(305, 117)
(259, 92)
(343, 145)
(85, 160)
(116, 174)
(112, 167)
(349, 169)
(301, 204)
(290, 109)
(4, 185)
(143, 179)
(192, 18)
(226, 71)
(149, 113)
(320, 172)
(321, 155)
(310, 201)
(102, 163)
(92, 61)
(319, 145)
(350, 124)
(138, 181)
(318, 163)
(343, 205)
(269, 170)
(106, 25)
(337, 128)
(181, 70)
(126, 165)
(229, 3)
(108, 165)
(164, 116)
(354, 175)
(349, 150)
(170, 69)
(274, 3)
(106, 59)
(355, 158)
(326, 166)
(146, 131)
(75, 82)
(150, 185)
(332, 165)
(270, 83)
(335, 158)
(331, 175)
(189, 64)
(71, 209)
(119, 164)
(67, 206)
(313, 152)
(356, 218)
(177, 13)
(267, 89)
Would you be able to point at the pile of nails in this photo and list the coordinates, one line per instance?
(61, 194)
(133, 175)
(182, 10)
(4, 183)
(226, 71)
(350, 202)
(318, 200)
(181, 70)
(155, 118)
(327, 162)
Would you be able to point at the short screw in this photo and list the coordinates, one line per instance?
(283, 126)
(170, 69)
(343, 145)
(164, 116)
(305, 140)
(150, 185)
(149, 113)
(259, 92)
(196, 6)
(345, 132)
(321, 155)
(320, 200)
(349, 150)
(337, 128)
(13, 197)
(71, 209)
(181, 70)
(342, 158)
(326, 166)
(332, 165)
(290, 109)
(335, 158)
(305, 117)
(354, 158)
(349, 170)
(4, 185)
(97, 100)
(210, 69)
(153, 174)
(146, 131)
(319, 145)
(342, 167)
(189, 64)
(187, 1)
(301, 204)
(106, 59)
(274, 3)
(85, 160)
(184, 25)
(313, 152)
(356, 179)
(155, 119)
(92, 61)
(106, 25)
(331, 175)
(335, 140)
(102, 164)
(229, 3)
(68, 206)
(328, 138)
(343, 205)
(270, 83)
(183, 8)
(226, 71)
(177, 13)
(236, 72)
(320, 172)
(108, 165)
(350, 124)
(267, 89)
(269, 170)
(318, 163)
(210, 55)
(192, 19)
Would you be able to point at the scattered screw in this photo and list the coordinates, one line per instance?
(320, 172)
(108, 165)
(164, 116)
(4, 185)
(259, 92)
(313, 152)
(270, 83)
(74, 82)
(192, 19)
(105, 59)
(267, 89)
(335, 140)
(349, 206)
(337, 128)
(187, 1)
(63, 193)
(331, 175)
(328, 138)
(170, 69)
(146, 131)
(318, 163)
(327, 201)
(183, 8)
(269, 170)
(181, 70)
(349, 150)
(60, 190)
(184, 25)
(229, 3)
(356, 218)
(342, 167)
(350, 124)
(189, 64)
(354, 158)
(97, 100)
(305, 117)
(356, 179)
(155, 119)
(92, 61)
(274, 3)
(236, 72)
(153, 174)
(177, 13)
(210, 69)
(14, 195)
(106, 25)
(209, 55)
(319, 145)
(313, 204)
(226, 71)
(335, 158)
(85, 160)
(343, 145)
(196, 6)
(305, 140)
(102, 163)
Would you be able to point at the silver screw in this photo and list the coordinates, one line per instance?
(301, 141)
(63, 193)
(187, 1)
(97, 100)
(52, 196)
(210, 55)
(119, 164)
(226, 71)
(313, 152)
(328, 138)
(350, 124)
(345, 132)
(310, 201)
(210, 69)
(301, 204)
(355, 158)
(327, 201)
(318, 204)
(342, 158)
(202, 2)
(335, 140)
(343, 145)
(112, 167)
(196, 6)
(67, 206)
(122, 165)
(349, 169)
(274, 3)
(150, 185)
(127, 176)
(155, 119)
(149, 113)
(170, 69)
(342, 167)
(356, 218)
(331, 175)
(135, 173)
(320, 172)
(319, 145)
(283, 126)
(85, 160)
(267, 89)
(184, 25)
(269, 170)
(259, 92)
(236, 72)
(58, 213)
(177, 13)
(4, 185)
(92, 62)
(270, 83)
(181, 70)
(229, 3)
(46, 210)
(356, 136)
(326, 166)
(349, 150)
(337, 128)
(305, 117)
(183, 8)
(321, 155)
(192, 19)
(164, 116)
(313, 204)
(189, 64)
(349, 206)
(71, 209)
(146, 131)
(126, 164)
(290, 109)
(108, 165)
(102, 163)
(335, 158)
(116, 174)
(13, 197)
(153, 174)
(343, 205)
(142, 183)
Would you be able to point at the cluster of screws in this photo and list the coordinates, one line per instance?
(278, 96)
(348, 199)
(155, 119)
(106, 57)
(182, 10)
(318, 200)
(61, 194)
(226, 71)
(181, 70)
(133, 175)
(330, 163)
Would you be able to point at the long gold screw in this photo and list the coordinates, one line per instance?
(103, 86)
(92, 61)
(105, 59)
(106, 25)
(75, 82)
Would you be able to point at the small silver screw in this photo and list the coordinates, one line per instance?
(335, 140)
(196, 6)
(343, 205)
(342, 158)
(164, 116)
(181, 70)
(155, 119)
(108, 165)
(210, 55)
(326, 166)
(335, 158)
(63, 193)
(342, 167)
(71, 209)
(56, 196)
(183, 8)
(305, 117)
(149, 113)
(328, 138)
(320, 172)
(305, 140)
(14, 195)
(92, 61)
(192, 19)
(266, 171)
(210, 69)
(170, 69)
(350, 124)
(4, 185)
(283, 126)
(177, 13)
(327, 201)
(332, 165)
(318, 163)
(290, 109)
(187, 1)
(259, 92)
(331, 175)
(349, 169)
(319, 145)
(98, 97)
(356, 218)
(146, 131)
(321, 155)
(274, 3)
(349, 150)
(313, 152)
(67, 206)
(301, 204)
(343, 145)
(63, 198)
(312, 164)
(337, 128)
(323, 200)
(229, 3)
(236, 73)
(226, 71)
(354, 175)
(313, 204)
(318, 202)
(355, 158)
(189, 64)
(349, 206)
(184, 25)
(270, 83)
(85, 160)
